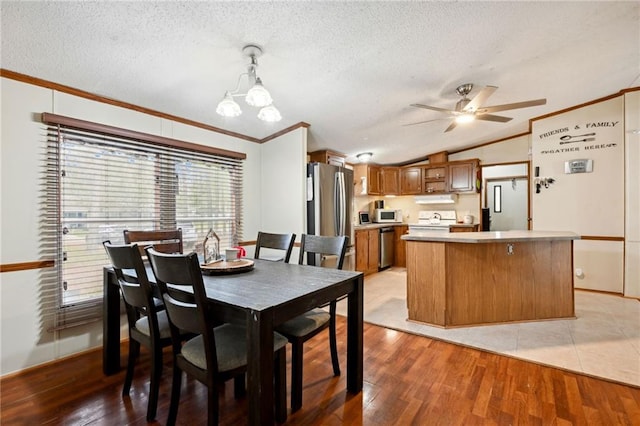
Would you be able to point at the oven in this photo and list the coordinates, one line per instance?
(433, 220)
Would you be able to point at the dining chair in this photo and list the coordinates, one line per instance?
(303, 327)
(165, 241)
(275, 242)
(219, 351)
(148, 324)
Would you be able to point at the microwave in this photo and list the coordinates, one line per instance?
(387, 215)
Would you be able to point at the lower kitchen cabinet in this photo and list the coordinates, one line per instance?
(464, 228)
(367, 250)
(400, 249)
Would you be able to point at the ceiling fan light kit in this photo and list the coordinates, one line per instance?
(468, 110)
(257, 95)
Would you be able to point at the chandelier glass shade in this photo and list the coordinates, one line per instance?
(228, 107)
(257, 96)
(270, 114)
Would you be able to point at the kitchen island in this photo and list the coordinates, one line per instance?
(474, 278)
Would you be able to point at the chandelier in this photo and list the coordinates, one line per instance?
(256, 96)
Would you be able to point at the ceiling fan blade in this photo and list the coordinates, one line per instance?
(491, 117)
(451, 126)
(433, 108)
(515, 105)
(426, 121)
(480, 98)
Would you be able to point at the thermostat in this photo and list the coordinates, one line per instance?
(578, 166)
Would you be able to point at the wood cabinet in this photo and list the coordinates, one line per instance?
(410, 180)
(462, 176)
(400, 246)
(329, 157)
(367, 250)
(374, 180)
(390, 180)
(435, 179)
(379, 180)
(464, 228)
(456, 284)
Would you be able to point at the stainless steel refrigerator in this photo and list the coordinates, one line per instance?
(329, 207)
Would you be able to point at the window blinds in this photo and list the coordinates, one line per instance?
(96, 185)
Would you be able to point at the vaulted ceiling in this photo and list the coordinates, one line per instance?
(349, 69)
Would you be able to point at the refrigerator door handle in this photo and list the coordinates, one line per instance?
(339, 203)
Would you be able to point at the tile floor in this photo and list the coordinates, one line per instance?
(604, 340)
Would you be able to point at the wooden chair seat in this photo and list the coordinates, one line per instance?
(148, 325)
(303, 327)
(219, 351)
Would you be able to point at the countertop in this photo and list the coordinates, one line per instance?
(490, 237)
(377, 225)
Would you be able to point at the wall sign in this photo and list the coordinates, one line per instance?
(581, 137)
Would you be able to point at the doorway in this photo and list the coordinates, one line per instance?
(510, 183)
(507, 200)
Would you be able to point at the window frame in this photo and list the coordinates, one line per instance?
(56, 313)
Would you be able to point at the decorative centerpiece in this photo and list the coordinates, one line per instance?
(211, 248)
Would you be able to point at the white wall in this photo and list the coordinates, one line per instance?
(21, 343)
(632, 194)
(590, 204)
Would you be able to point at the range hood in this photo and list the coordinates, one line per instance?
(436, 199)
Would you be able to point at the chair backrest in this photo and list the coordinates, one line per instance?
(312, 245)
(275, 241)
(164, 241)
(174, 274)
(136, 290)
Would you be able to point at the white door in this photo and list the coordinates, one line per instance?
(508, 203)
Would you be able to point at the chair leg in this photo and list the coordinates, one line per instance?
(280, 383)
(296, 376)
(154, 383)
(134, 351)
(332, 340)
(239, 386)
(175, 394)
(212, 405)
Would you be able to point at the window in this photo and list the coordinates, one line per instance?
(99, 183)
(497, 199)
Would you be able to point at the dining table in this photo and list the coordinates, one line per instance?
(261, 298)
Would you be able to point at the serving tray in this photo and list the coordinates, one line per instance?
(224, 267)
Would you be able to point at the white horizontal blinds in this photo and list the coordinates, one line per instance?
(104, 184)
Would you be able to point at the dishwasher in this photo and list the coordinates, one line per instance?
(386, 247)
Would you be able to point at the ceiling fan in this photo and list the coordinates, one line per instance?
(471, 109)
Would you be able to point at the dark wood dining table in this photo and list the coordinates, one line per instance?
(263, 297)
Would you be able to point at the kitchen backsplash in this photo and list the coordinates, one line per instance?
(466, 204)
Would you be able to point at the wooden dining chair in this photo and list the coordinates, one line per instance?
(303, 327)
(148, 324)
(275, 242)
(219, 352)
(165, 241)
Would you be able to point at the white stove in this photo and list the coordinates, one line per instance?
(434, 220)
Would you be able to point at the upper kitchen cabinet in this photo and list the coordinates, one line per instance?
(435, 179)
(390, 180)
(328, 157)
(462, 175)
(410, 180)
(368, 179)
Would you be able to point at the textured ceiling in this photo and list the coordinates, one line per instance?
(349, 69)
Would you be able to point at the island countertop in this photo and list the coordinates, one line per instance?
(490, 237)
